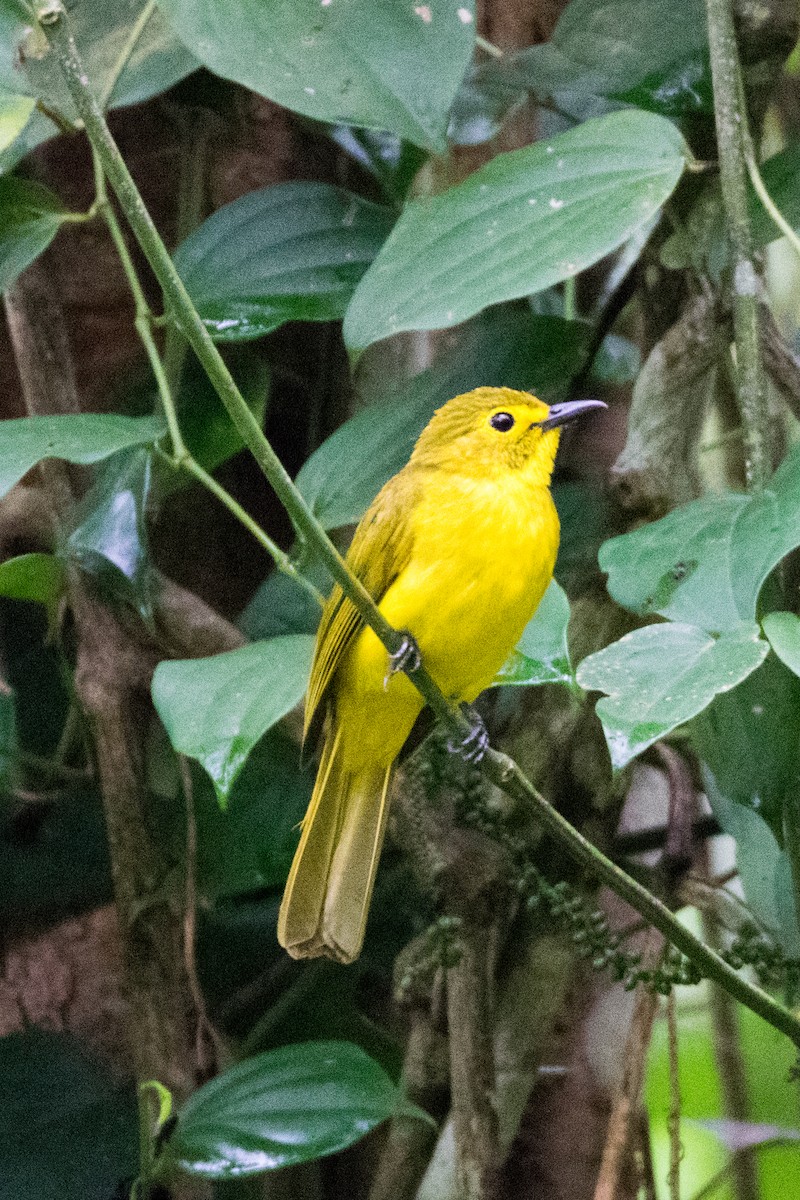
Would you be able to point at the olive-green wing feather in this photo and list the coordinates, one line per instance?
(380, 549)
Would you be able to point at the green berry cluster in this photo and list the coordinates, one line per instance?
(771, 966)
(439, 946)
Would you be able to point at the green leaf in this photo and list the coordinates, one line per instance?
(542, 653)
(705, 563)
(783, 633)
(68, 1132)
(781, 174)
(110, 541)
(15, 111)
(30, 217)
(250, 846)
(658, 677)
(637, 50)
(293, 252)
(84, 438)
(38, 577)
(748, 740)
(287, 1106)
(205, 423)
(504, 347)
(374, 63)
(764, 869)
(527, 220)
(216, 709)
(101, 31)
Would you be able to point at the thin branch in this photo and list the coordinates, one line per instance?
(760, 189)
(733, 141)
(624, 1116)
(498, 767)
(125, 53)
(674, 1119)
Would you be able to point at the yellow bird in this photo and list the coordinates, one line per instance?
(457, 550)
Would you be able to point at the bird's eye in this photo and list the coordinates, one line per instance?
(502, 421)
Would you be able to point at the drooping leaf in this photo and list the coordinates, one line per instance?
(525, 221)
(292, 252)
(15, 111)
(216, 709)
(30, 217)
(661, 676)
(282, 605)
(542, 653)
(158, 59)
(503, 347)
(705, 563)
(747, 738)
(110, 540)
(764, 870)
(374, 63)
(290, 1105)
(68, 1132)
(83, 438)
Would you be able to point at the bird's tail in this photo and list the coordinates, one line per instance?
(327, 895)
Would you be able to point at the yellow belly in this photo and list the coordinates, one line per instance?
(483, 556)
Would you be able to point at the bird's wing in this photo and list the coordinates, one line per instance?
(380, 549)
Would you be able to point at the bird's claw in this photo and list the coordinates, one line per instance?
(405, 658)
(473, 747)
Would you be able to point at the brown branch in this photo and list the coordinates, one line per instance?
(624, 1116)
(111, 678)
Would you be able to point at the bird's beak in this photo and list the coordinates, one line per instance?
(560, 414)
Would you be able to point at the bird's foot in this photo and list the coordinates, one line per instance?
(405, 658)
(473, 747)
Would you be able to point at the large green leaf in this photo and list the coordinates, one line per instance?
(504, 347)
(375, 63)
(158, 59)
(705, 563)
(84, 438)
(216, 709)
(68, 1132)
(542, 653)
(289, 1105)
(30, 217)
(783, 633)
(661, 676)
(293, 252)
(526, 220)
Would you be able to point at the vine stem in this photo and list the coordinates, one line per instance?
(181, 457)
(734, 146)
(125, 53)
(500, 769)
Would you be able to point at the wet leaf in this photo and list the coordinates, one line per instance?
(527, 220)
(661, 676)
(286, 1106)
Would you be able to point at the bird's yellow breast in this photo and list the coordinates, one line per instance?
(483, 555)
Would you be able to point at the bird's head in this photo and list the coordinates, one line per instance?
(494, 430)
